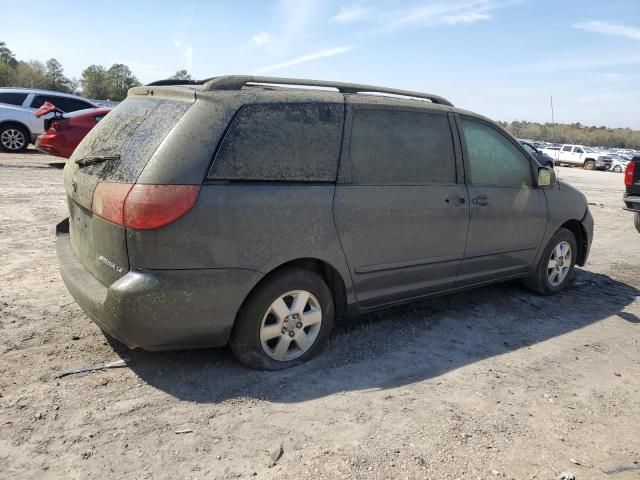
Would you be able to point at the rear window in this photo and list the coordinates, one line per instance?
(133, 130)
(394, 147)
(13, 98)
(281, 142)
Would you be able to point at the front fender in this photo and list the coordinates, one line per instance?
(565, 204)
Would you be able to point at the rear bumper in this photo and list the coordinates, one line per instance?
(631, 202)
(46, 144)
(158, 309)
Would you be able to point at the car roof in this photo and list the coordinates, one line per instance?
(42, 92)
(293, 89)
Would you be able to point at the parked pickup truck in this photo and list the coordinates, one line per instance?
(579, 155)
(632, 195)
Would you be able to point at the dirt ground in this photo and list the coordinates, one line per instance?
(492, 383)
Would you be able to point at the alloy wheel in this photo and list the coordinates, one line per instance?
(13, 139)
(291, 325)
(559, 263)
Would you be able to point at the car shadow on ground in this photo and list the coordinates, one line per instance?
(397, 346)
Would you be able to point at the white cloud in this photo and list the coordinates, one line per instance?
(146, 72)
(186, 50)
(449, 13)
(610, 29)
(352, 14)
(468, 17)
(297, 16)
(184, 20)
(262, 40)
(562, 64)
(324, 53)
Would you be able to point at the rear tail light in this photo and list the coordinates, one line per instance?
(629, 173)
(143, 207)
(57, 125)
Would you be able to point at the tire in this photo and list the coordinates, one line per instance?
(14, 138)
(542, 280)
(589, 165)
(265, 340)
(636, 221)
(617, 169)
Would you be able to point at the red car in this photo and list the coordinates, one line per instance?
(65, 131)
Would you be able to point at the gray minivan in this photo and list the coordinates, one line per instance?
(242, 210)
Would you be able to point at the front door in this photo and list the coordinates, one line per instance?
(508, 214)
(401, 214)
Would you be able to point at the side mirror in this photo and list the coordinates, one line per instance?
(544, 177)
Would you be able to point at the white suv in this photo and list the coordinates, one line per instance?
(18, 125)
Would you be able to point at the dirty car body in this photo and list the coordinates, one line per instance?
(187, 202)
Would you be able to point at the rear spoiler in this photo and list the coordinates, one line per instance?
(47, 107)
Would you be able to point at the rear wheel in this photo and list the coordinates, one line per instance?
(589, 165)
(636, 221)
(13, 138)
(556, 266)
(284, 322)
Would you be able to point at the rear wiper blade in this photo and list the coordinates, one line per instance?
(83, 162)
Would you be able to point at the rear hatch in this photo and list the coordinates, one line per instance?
(113, 154)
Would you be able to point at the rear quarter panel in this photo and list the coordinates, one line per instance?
(250, 226)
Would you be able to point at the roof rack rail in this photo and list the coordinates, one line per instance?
(176, 81)
(236, 82)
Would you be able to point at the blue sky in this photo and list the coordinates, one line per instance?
(502, 58)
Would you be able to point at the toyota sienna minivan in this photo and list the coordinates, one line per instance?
(244, 210)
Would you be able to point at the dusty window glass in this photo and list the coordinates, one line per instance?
(281, 142)
(567, 148)
(133, 131)
(494, 160)
(401, 147)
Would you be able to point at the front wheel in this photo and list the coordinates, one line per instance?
(556, 266)
(284, 322)
(617, 169)
(589, 165)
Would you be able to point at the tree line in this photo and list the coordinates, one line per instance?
(575, 133)
(96, 81)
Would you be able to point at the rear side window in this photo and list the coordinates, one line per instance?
(65, 104)
(493, 159)
(566, 148)
(133, 130)
(401, 147)
(281, 142)
(13, 98)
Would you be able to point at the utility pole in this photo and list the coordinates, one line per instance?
(553, 121)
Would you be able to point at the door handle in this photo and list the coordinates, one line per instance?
(456, 201)
(480, 201)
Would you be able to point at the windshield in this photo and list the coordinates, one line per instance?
(589, 150)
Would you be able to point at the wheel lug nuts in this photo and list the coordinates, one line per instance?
(284, 330)
(291, 334)
(299, 325)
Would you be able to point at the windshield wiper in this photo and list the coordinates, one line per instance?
(83, 162)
